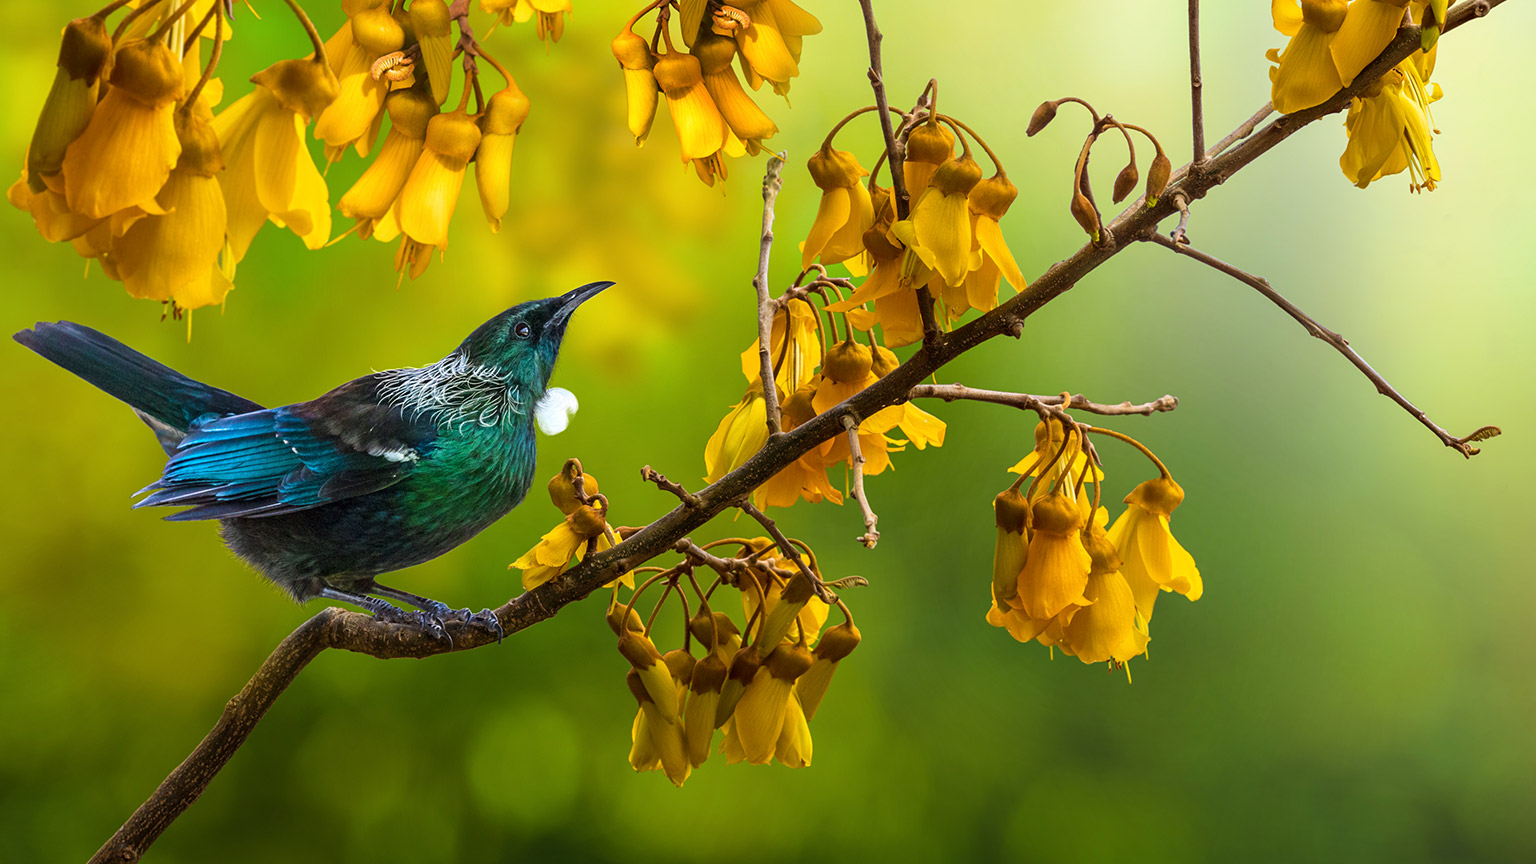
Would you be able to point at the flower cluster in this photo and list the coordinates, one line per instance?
(548, 16)
(760, 683)
(810, 379)
(1331, 42)
(711, 111)
(1059, 577)
(130, 164)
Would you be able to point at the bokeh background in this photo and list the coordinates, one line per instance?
(1356, 682)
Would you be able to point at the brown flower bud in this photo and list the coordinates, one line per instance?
(1157, 177)
(1125, 181)
(1042, 118)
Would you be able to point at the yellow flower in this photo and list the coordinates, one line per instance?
(353, 119)
(806, 477)
(770, 44)
(939, 230)
(991, 259)
(782, 614)
(433, 28)
(499, 125)
(1011, 513)
(1152, 560)
(129, 146)
(1056, 565)
(657, 738)
(1390, 129)
(172, 253)
(759, 717)
(556, 549)
(1368, 27)
(268, 173)
(845, 213)
(796, 362)
(432, 190)
(372, 198)
(837, 643)
(741, 434)
(703, 698)
(654, 676)
(1107, 629)
(67, 111)
(640, 88)
(746, 121)
(929, 146)
(1307, 74)
(701, 130)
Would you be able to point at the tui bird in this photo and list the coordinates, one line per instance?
(384, 472)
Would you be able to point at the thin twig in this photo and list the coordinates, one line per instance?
(1028, 402)
(651, 475)
(772, 182)
(871, 534)
(1460, 445)
(1197, 113)
(897, 157)
(786, 549)
(1180, 233)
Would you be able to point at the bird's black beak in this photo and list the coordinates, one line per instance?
(571, 299)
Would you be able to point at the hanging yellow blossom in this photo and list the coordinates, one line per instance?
(845, 213)
(372, 198)
(353, 119)
(431, 192)
(1390, 128)
(939, 230)
(640, 87)
(556, 549)
(741, 434)
(1306, 74)
(1107, 628)
(129, 146)
(794, 363)
(499, 125)
(67, 111)
(746, 121)
(1152, 560)
(268, 173)
(172, 253)
(1056, 565)
(991, 259)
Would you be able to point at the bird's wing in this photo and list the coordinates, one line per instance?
(283, 460)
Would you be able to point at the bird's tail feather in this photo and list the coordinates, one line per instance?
(156, 391)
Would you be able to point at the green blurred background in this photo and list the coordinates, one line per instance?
(1356, 682)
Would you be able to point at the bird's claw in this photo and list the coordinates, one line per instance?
(428, 622)
(485, 619)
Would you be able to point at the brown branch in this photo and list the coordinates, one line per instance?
(1340, 344)
(897, 157)
(1196, 112)
(871, 534)
(1028, 402)
(651, 475)
(1242, 131)
(786, 548)
(351, 631)
(772, 182)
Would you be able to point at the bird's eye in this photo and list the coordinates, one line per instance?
(521, 330)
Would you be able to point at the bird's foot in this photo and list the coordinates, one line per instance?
(485, 619)
(428, 622)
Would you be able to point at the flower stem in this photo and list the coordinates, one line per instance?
(309, 29)
(1118, 436)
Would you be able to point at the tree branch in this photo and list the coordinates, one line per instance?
(772, 183)
(1340, 344)
(351, 631)
(896, 157)
(1196, 112)
(1078, 402)
(786, 548)
(871, 534)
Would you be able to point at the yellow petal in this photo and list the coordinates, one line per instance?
(1368, 27)
(122, 158)
(990, 236)
(1307, 75)
(942, 227)
(759, 716)
(429, 196)
(161, 256)
(831, 215)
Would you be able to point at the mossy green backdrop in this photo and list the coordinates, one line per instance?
(1355, 684)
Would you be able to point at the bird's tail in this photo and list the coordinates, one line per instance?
(161, 395)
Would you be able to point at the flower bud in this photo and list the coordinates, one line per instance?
(1125, 181)
(640, 87)
(848, 362)
(1042, 118)
(886, 361)
(1157, 177)
(1085, 215)
(377, 32)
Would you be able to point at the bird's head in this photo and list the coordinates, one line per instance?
(525, 340)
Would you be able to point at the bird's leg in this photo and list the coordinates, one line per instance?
(484, 618)
(387, 611)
